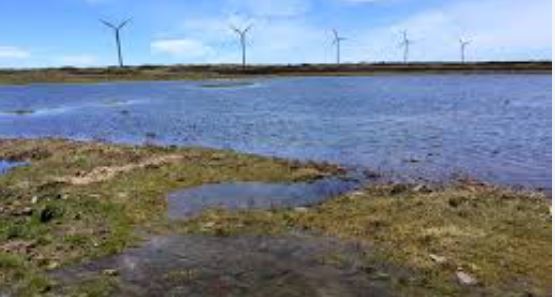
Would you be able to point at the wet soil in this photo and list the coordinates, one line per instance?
(191, 265)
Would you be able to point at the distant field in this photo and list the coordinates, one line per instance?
(182, 72)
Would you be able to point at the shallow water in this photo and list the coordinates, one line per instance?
(240, 266)
(247, 195)
(493, 127)
(5, 166)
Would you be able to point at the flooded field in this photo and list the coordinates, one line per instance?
(493, 127)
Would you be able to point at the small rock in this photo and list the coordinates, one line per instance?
(34, 200)
(301, 209)
(110, 272)
(421, 188)
(52, 265)
(26, 211)
(466, 279)
(357, 194)
(208, 225)
(381, 276)
(438, 259)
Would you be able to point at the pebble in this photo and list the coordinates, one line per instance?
(110, 272)
(466, 279)
(438, 259)
(301, 209)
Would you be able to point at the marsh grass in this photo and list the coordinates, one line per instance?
(501, 237)
(46, 223)
(215, 71)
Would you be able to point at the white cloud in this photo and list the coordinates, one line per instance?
(12, 52)
(272, 8)
(499, 30)
(184, 47)
(78, 60)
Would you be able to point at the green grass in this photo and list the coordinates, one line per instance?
(501, 237)
(45, 223)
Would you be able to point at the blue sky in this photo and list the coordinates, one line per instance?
(39, 33)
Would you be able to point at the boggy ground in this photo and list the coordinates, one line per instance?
(466, 239)
(72, 222)
(78, 201)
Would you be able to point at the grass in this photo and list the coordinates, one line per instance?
(46, 221)
(198, 72)
(500, 237)
(77, 201)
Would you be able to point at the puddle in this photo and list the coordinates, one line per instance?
(244, 195)
(5, 166)
(194, 265)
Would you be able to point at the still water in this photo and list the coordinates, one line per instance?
(493, 127)
(190, 202)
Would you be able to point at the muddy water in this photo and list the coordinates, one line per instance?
(241, 266)
(493, 127)
(246, 195)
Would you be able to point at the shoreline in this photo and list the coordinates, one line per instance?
(204, 72)
(362, 174)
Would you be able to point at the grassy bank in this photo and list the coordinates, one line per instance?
(498, 238)
(76, 201)
(189, 72)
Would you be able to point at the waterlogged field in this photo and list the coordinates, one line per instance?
(153, 214)
(493, 127)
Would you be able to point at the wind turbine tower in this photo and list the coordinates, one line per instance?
(463, 43)
(117, 30)
(242, 33)
(337, 39)
(406, 46)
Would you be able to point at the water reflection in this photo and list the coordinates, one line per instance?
(247, 195)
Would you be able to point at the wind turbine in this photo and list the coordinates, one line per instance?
(463, 43)
(337, 42)
(117, 30)
(242, 33)
(406, 46)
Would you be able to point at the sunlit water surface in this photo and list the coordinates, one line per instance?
(493, 127)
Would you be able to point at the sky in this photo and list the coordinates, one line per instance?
(52, 33)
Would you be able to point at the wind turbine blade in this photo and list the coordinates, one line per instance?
(235, 29)
(124, 23)
(107, 24)
(247, 29)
